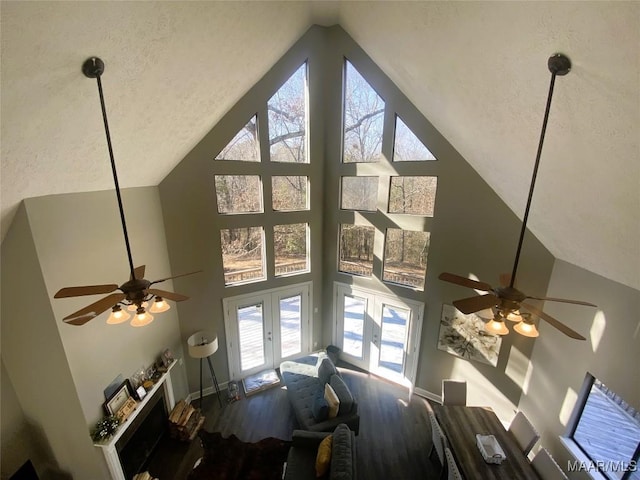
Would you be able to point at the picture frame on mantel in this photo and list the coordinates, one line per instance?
(118, 398)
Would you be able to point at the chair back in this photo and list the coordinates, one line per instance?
(438, 437)
(452, 468)
(454, 392)
(546, 467)
(525, 434)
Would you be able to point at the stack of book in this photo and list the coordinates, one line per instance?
(185, 421)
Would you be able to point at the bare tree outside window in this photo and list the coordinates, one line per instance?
(413, 195)
(359, 193)
(238, 193)
(407, 147)
(290, 245)
(405, 257)
(242, 254)
(363, 119)
(289, 193)
(288, 119)
(356, 249)
(244, 146)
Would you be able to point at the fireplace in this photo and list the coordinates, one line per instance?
(131, 447)
(138, 443)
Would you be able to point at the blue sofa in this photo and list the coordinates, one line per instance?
(305, 379)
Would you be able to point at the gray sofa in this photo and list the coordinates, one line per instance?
(301, 460)
(305, 379)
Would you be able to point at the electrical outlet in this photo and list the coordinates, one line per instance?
(180, 361)
(315, 310)
(315, 344)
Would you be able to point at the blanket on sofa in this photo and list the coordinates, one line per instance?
(231, 459)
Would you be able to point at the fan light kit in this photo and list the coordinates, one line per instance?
(507, 302)
(136, 293)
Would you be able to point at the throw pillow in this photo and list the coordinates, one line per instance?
(323, 458)
(325, 370)
(343, 392)
(320, 409)
(342, 458)
(332, 400)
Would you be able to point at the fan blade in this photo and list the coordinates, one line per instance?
(176, 297)
(563, 300)
(553, 322)
(175, 276)
(138, 273)
(86, 290)
(79, 321)
(465, 282)
(475, 304)
(96, 308)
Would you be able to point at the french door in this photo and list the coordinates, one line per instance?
(267, 327)
(378, 333)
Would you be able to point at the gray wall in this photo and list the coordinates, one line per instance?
(472, 232)
(193, 224)
(35, 360)
(558, 366)
(68, 240)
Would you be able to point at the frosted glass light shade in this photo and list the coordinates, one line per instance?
(141, 318)
(200, 346)
(117, 316)
(527, 328)
(159, 305)
(133, 307)
(497, 326)
(514, 316)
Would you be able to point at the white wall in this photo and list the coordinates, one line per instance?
(559, 364)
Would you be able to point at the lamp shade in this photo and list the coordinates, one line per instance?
(117, 316)
(159, 305)
(527, 328)
(201, 345)
(497, 326)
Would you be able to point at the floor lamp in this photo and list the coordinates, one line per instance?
(200, 347)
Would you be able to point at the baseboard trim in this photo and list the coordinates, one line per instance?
(206, 392)
(427, 394)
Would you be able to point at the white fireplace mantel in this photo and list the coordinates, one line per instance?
(108, 447)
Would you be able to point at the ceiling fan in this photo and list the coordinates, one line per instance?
(136, 292)
(506, 301)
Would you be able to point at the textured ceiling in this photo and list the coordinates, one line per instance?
(476, 70)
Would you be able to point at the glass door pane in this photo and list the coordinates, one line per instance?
(393, 338)
(355, 309)
(251, 336)
(290, 326)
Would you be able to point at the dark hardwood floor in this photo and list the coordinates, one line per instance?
(394, 439)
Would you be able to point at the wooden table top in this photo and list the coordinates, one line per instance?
(461, 424)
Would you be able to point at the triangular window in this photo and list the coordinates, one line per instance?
(407, 147)
(288, 120)
(244, 146)
(363, 119)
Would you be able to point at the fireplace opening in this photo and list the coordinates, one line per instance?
(137, 445)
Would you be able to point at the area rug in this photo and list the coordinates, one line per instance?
(260, 381)
(231, 459)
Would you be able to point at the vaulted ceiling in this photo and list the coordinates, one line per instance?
(476, 70)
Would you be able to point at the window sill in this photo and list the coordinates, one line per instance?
(581, 459)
